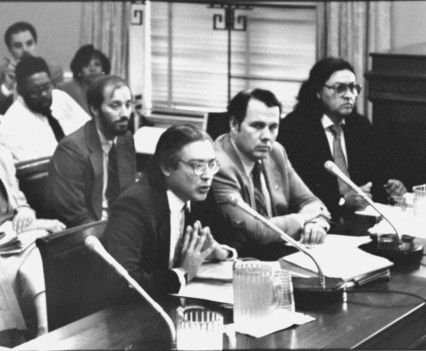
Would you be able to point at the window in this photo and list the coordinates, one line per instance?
(190, 58)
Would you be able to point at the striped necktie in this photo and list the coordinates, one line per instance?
(259, 197)
(339, 157)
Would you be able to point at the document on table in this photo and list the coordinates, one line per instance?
(340, 257)
(403, 220)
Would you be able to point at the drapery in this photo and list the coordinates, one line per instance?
(106, 26)
(353, 30)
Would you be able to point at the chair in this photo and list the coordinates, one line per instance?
(75, 277)
(32, 176)
(217, 123)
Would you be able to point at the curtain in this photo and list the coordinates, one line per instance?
(353, 30)
(106, 26)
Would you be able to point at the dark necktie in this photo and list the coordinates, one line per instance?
(259, 197)
(54, 124)
(113, 187)
(184, 222)
(339, 157)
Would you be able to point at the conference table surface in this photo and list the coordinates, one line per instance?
(379, 315)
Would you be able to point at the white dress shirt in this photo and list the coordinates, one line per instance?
(28, 134)
(106, 146)
(248, 167)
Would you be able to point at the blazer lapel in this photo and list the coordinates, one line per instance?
(247, 188)
(96, 161)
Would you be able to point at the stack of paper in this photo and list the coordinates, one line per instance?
(12, 243)
(340, 257)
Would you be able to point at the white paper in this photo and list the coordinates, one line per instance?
(279, 320)
(338, 260)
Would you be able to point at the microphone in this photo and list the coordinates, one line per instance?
(332, 168)
(93, 244)
(408, 253)
(303, 287)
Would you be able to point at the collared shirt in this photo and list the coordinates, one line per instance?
(177, 220)
(28, 134)
(176, 207)
(326, 124)
(106, 146)
(248, 167)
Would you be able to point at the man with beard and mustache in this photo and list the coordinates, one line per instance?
(256, 169)
(325, 125)
(91, 166)
(21, 40)
(40, 116)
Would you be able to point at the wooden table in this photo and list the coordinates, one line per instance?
(374, 317)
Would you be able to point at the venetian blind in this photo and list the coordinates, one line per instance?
(190, 59)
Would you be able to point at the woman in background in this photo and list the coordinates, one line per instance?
(87, 64)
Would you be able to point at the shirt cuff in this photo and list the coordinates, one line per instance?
(180, 272)
(5, 91)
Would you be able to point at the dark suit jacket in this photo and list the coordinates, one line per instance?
(306, 143)
(74, 193)
(288, 192)
(138, 234)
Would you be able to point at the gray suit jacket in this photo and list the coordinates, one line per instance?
(75, 182)
(288, 193)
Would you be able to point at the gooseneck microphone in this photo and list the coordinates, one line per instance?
(93, 244)
(332, 168)
(236, 201)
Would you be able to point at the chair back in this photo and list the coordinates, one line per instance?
(217, 123)
(32, 176)
(74, 276)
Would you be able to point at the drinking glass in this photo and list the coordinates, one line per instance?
(199, 329)
(286, 290)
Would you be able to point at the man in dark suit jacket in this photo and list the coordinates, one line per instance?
(85, 176)
(255, 116)
(146, 231)
(326, 99)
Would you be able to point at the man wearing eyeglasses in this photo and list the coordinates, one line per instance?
(154, 230)
(325, 126)
(40, 116)
(257, 169)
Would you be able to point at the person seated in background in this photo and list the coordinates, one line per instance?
(40, 116)
(257, 170)
(87, 64)
(325, 125)
(21, 40)
(14, 208)
(152, 230)
(94, 164)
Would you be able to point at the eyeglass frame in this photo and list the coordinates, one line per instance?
(204, 165)
(351, 86)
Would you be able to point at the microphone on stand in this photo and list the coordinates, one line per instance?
(332, 168)
(409, 252)
(93, 244)
(325, 289)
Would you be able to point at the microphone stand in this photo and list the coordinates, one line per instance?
(95, 245)
(306, 293)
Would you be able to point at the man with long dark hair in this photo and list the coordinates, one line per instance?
(325, 125)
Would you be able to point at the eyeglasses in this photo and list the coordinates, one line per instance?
(36, 92)
(199, 167)
(341, 88)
